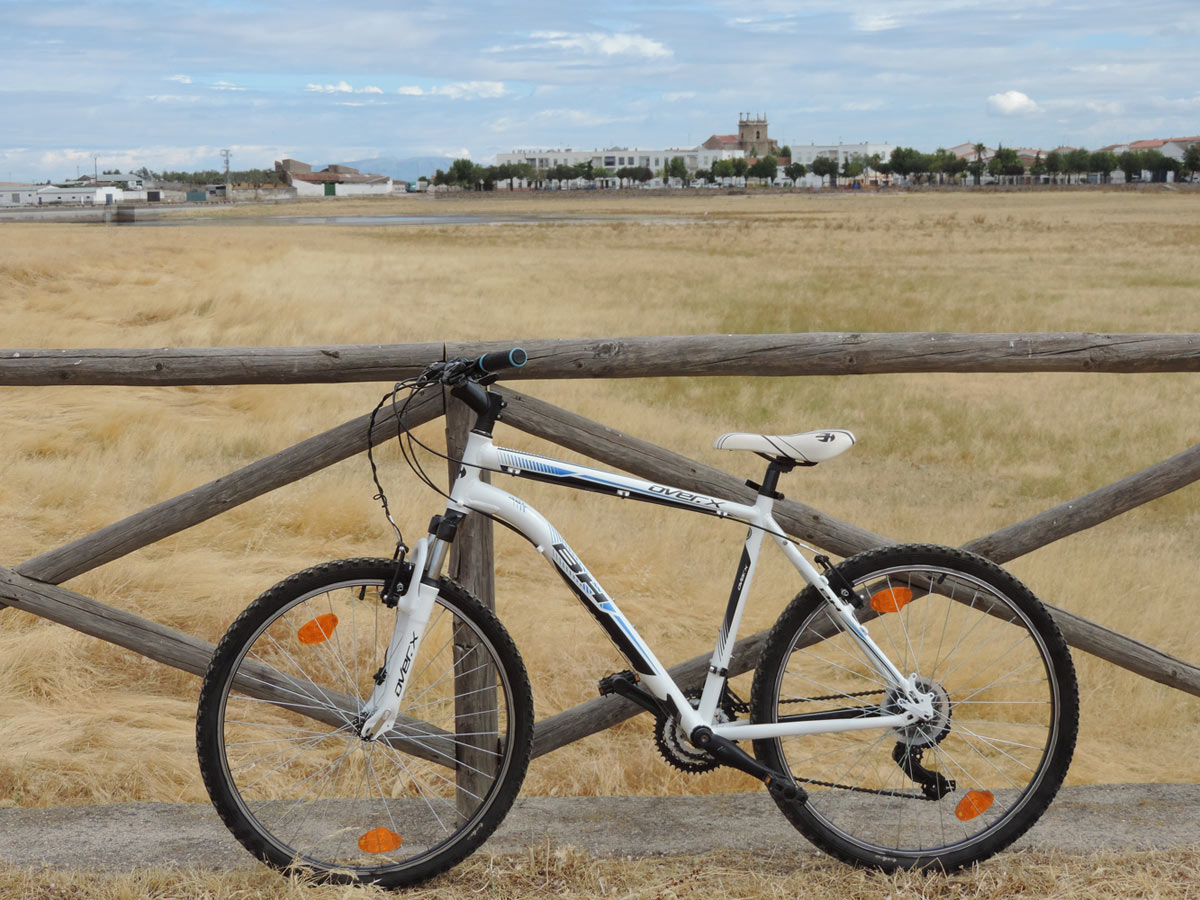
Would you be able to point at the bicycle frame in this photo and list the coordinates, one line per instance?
(472, 494)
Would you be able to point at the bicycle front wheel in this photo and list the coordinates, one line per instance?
(277, 729)
(943, 793)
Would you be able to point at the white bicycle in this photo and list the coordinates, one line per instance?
(369, 720)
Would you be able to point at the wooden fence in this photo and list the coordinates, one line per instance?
(34, 585)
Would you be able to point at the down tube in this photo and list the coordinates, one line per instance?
(485, 498)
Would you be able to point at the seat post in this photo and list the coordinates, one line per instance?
(777, 465)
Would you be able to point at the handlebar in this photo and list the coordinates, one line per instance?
(498, 360)
(462, 369)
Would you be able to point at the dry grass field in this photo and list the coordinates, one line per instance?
(564, 873)
(940, 458)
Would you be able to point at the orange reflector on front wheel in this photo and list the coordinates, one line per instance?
(891, 599)
(319, 629)
(381, 840)
(975, 803)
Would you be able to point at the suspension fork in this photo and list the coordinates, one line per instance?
(413, 609)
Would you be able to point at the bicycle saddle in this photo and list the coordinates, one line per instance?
(807, 447)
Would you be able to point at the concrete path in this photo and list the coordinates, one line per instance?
(129, 836)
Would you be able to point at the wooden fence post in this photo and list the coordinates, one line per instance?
(476, 720)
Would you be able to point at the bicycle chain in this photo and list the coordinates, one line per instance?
(743, 707)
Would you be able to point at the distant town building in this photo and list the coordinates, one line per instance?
(333, 181)
(806, 153)
(615, 158)
(751, 138)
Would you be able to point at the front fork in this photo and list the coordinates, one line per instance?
(413, 610)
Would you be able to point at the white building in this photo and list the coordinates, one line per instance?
(615, 158)
(105, 195)
(343, 188)
(16, 194)
(805, 154)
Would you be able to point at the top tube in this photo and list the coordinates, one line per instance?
(520, 464)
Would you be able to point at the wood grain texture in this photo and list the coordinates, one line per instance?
(816, 353)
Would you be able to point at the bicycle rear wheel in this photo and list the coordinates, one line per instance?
(944, 793)
(277, 729)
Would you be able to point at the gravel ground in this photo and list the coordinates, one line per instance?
(130, 836)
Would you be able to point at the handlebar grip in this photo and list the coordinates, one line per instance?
(501, 359)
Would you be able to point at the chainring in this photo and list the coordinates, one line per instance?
(674, 746)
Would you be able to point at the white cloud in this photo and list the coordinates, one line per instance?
(459, 90)
(1012, 103)
(875, 21)
(182, 79)
(340, 88)
(470, 90)
(173, 98)
(343, 87)
(226, 86)
(596, 43)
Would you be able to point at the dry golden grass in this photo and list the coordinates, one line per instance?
(565, 873)
(942, 458)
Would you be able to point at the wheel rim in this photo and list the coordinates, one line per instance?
(317, 793)
(973, 648)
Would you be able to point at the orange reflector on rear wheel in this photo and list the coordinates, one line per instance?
(890, 599)
(975, 803)
(319, 629)
(381, 840)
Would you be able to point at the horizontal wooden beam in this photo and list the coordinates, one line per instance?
(202, 503)
(830, 353)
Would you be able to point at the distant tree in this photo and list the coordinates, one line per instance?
(946, 164)
(703, 175)
(464, 173)
(905, 161)
(740, 166)
(1158, 164)
(1054, 165)
(1006, 163)
(565, 173)
(635, 173)
(977, 166)
(922, 166)
(1191, 161)
(795, 171)
(852, 167)
(826, 167)
(677, 168)
(1130, 162)
(785, 152)
(1038, 168)
(723, 168)
(1077, 162)
(601, 172)
(766, 168)
(1103, 162)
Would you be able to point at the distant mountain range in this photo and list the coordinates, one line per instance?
(408, 169)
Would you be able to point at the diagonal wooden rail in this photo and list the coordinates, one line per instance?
(34, 585)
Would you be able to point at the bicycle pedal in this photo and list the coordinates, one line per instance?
(608, 684)
(786, 792)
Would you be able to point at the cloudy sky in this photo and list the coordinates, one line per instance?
(167, 84)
